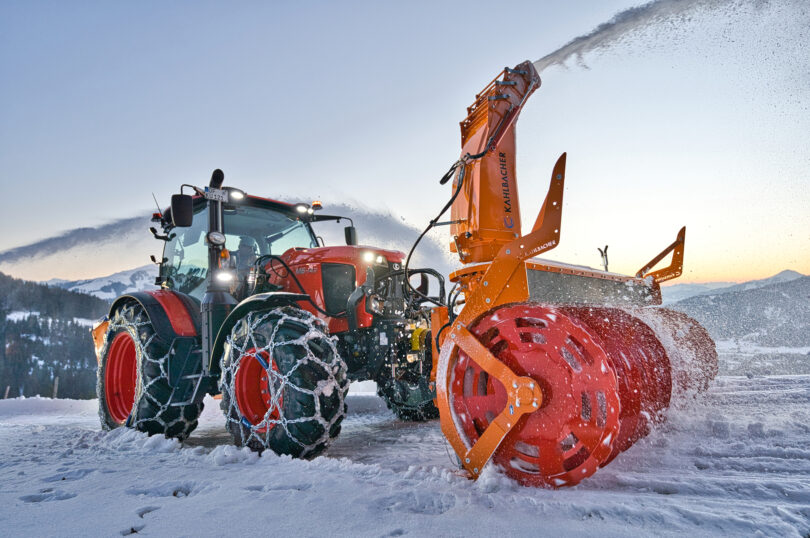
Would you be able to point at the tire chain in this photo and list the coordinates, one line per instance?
(337, 369)
(151, 353)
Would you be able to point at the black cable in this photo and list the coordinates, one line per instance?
(439, 334)
(432, 223)
(461, 162)
(426, 270)
(451, 303)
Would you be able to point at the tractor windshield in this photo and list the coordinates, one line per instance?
(250, 231)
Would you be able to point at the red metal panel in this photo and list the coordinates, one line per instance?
(306, 264)
(177, 312)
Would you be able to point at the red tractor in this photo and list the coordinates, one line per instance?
(252, 307)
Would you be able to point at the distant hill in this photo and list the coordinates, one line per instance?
(775, 314)
(54, 302)
(784, 276)
(112, 286)
(679, 292)
(44, 335)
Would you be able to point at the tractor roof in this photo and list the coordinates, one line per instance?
(259, 201)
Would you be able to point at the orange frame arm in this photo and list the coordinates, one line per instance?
(675, 268)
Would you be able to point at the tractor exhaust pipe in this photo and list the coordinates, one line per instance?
(217, 302)
(217, 179)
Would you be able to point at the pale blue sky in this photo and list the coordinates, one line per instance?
(702, 122)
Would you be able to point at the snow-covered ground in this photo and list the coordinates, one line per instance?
(725, 347)
(735, 463)
(740, 357)
(19, 315)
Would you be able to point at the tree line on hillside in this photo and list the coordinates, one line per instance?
(53, 302)
(37, 348)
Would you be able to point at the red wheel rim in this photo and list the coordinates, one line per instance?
(572, 432)
(120, 377)
(256, 392)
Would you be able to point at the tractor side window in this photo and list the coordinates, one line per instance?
(186, 266)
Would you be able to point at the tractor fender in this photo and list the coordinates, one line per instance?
(255, 303)
(173, 314)
(175, 318)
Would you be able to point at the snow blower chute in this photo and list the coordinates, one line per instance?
(548, 369)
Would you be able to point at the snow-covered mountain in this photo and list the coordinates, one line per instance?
(111, 286)
(679, 292)
(775, 314)
(784, 276)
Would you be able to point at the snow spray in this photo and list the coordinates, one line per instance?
(626, 22)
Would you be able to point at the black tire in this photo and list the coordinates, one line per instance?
(305, 383)
(409, 400)
(150, 411)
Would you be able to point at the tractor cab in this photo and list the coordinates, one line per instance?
(253, 228)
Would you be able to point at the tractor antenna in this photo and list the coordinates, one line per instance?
(160, 211)
(603, 253)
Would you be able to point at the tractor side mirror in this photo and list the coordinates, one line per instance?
(351, 235)
(182, 210)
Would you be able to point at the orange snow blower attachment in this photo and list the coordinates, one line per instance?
(550, 370)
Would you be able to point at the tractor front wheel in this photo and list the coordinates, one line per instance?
(133, 386)
(283, 383)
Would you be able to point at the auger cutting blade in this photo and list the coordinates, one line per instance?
(572, 431)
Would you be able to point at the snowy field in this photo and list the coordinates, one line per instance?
(736, 463)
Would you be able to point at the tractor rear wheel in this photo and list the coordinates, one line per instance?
(283, 383)
(133, 386)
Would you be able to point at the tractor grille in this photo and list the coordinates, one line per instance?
(338, 283)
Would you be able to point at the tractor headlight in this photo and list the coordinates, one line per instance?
(235, 195)
(372, 257)
(224, 276)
